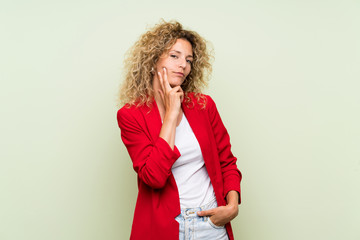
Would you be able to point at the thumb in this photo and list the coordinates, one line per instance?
(204, 213)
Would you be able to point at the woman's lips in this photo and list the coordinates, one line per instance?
(179, 73)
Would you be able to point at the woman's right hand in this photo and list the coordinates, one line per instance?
(172, 97)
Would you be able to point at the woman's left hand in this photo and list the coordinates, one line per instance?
(221, 215)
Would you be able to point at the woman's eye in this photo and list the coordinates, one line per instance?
(174, 56)
(189, 61)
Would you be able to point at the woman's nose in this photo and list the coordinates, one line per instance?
(182, 62)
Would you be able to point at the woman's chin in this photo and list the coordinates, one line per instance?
(175, 83)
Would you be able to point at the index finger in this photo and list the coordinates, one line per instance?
(166, 82)
(205, 213)
(161, 81)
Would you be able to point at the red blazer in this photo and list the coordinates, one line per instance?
(158, 199)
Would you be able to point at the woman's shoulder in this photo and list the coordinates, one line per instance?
(129, 110)
(125, 112)
(126, 109)
(131, 116)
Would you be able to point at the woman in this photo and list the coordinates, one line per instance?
(188, 181)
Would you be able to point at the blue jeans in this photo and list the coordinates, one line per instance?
(194, 227)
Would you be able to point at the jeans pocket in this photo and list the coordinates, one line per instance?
(213, 225)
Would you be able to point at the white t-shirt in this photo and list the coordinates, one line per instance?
(191, 176)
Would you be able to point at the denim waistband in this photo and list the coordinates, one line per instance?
(192, 212)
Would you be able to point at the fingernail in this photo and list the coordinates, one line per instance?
(164, 69)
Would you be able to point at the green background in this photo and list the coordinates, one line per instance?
(285, 80)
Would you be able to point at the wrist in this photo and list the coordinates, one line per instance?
(170, 116)
(234, 209)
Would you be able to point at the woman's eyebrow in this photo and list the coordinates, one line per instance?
(181, 52)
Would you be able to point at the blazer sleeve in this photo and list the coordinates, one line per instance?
(152, 160)
(231, 174)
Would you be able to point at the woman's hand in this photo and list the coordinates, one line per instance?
(171, 97)
(224, 214)
(221, 215)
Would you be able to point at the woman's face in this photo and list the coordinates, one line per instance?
(177, 62)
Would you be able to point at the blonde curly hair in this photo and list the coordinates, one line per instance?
(141, 58)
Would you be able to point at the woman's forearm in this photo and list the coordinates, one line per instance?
(168, 129)
(232, 198)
